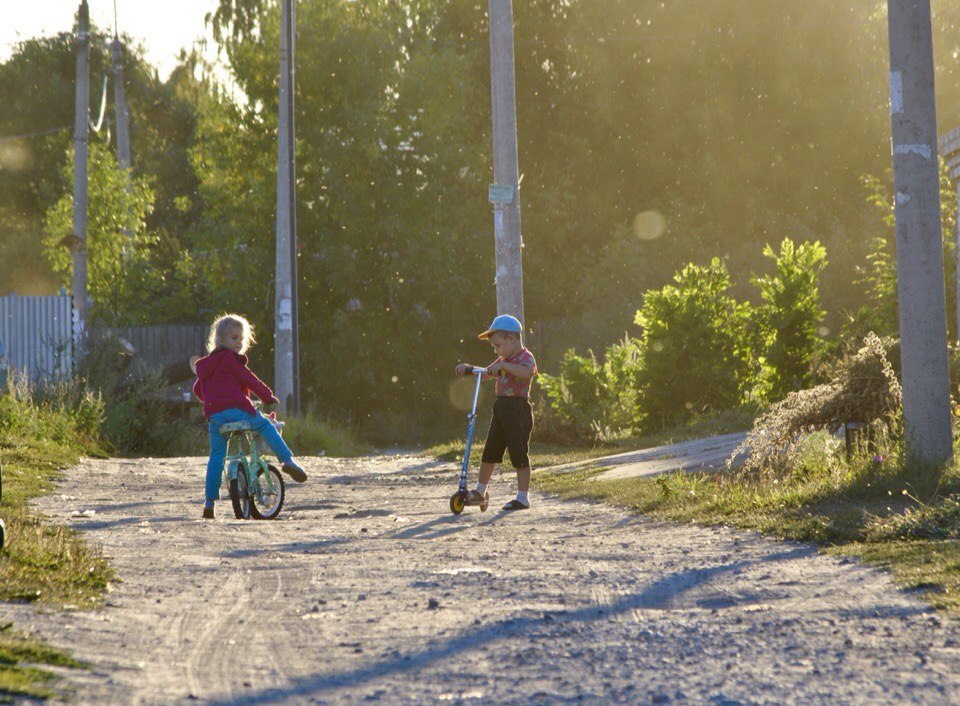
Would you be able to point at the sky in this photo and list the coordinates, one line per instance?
(162, 26)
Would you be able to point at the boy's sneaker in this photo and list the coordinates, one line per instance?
(208, 513)
(515, 505)
(294, 471)
(475, 498)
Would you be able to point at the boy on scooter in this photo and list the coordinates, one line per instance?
(512, 420)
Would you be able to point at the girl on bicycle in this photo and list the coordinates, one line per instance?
(223, 384)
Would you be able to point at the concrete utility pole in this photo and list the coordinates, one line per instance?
(120, 110)
(923, 333)
(120, 107)
(505, 191)
(77, 241)
(286, 356)
(950, 149)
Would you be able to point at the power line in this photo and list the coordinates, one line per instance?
(39, 133)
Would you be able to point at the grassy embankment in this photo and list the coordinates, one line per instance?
(43, 562)
(545, 454)
(881, 513)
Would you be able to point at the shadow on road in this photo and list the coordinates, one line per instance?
(662, 593)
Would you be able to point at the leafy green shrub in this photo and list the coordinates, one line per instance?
(592, 398)
(788, 318)
(694, 351)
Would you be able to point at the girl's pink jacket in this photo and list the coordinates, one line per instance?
(225, 382)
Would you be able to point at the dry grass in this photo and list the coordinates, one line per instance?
(863, 388)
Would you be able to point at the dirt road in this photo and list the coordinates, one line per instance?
(368, 590)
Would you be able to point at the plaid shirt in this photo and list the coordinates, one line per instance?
(509, 385)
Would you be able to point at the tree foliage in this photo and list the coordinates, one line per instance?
(693, 342)
(790, 314)
(733, 122)
(134, 276)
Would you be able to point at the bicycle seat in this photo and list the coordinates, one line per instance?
(230, 428)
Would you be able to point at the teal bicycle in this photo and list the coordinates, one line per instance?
(255, 486)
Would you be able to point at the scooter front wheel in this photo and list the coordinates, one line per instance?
(457, 503)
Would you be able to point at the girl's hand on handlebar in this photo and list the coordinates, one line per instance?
(463, 369)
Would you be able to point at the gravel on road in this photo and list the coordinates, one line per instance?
(368, 590)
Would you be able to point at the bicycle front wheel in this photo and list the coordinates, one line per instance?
(266, 494)
(239, 494)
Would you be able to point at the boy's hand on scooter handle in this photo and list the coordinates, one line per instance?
(495, 369)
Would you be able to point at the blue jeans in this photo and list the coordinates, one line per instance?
(218, 444)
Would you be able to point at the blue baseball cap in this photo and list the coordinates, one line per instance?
(504, 322)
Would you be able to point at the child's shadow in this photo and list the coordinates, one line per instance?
(443, 526)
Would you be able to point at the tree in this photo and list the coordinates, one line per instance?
(135, 276)
(37, 83)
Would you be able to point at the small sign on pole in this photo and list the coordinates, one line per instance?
(500, 194)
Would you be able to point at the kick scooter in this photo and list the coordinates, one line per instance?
(458, 500)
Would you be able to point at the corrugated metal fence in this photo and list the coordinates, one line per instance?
(37, 334)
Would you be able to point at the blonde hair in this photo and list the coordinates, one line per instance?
(224, 325)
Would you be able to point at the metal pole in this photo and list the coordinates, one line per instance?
(78, 239)
(285, 297)
(506, 215)
(922, 311)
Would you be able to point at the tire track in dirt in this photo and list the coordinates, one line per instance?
(366, 589)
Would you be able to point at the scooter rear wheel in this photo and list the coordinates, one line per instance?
(457, 503)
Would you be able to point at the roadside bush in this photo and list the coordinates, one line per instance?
(694, 350)
(788, 318)
(64, 413)
(591, 398)
(137, 419)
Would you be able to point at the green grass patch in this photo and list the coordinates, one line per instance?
(22, 659)
(310, 435)
(43, 432)
(877, 512)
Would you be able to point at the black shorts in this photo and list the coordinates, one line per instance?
(510, 429)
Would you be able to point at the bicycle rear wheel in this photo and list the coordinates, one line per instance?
(239, 494)
(267, 494)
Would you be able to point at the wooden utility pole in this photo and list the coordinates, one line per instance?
(504, 193)
(77, 241)
(923, 333)
(286, 358)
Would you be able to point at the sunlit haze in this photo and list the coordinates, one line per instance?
(162, 27)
